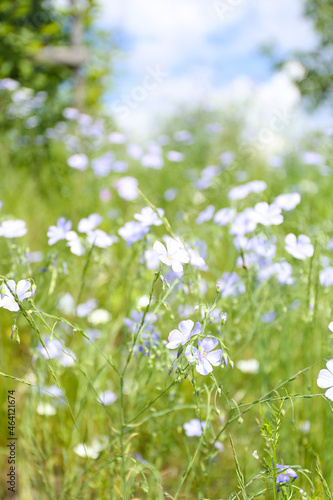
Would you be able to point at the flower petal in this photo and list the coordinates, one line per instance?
(159, 248)
(208, 343)
(204, 367)
(22, 287)
(197, 329)
(176, 266)
(215, 357)
(325, 379)
(176, 338)
(329, 393)
(329, 365)
(186, 326)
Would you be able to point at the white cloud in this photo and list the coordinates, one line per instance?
(195, 42)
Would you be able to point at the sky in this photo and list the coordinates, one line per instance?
(196, 51)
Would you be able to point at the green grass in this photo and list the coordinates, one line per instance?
(147, 418)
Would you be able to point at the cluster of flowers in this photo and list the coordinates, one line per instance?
(204, 356)
(87, 226)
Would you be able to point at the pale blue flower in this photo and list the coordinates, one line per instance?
(285, 474)
(194, 427)
(59, 232)
(300, 247)
(186, 330)
(148, 217)
(204, 357)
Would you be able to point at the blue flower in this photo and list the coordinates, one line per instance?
(285, 474)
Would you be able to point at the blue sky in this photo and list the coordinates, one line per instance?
(203, 46)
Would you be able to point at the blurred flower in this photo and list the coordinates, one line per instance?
(133, 231)
(282, 270)
(268, 317)
(59, 232)
(325, 379)
(22, 289)
(203, 356)
(135, 151)
(152, 160)
(287, 201)
(99, 317)
(224, 216)
(78, 161)
(100, 239)
(245, 222)
(170, 194)
(107, 397)
(13, 228)
(105, 195)
(255, 455)
(74, 243)
(172, 255)
(205, 215)
(183, 136)
(117, 138)
(46, 409)
(312, 158)
(66, 304)
(127, 188)
(268, 215)
(240, 192)
(231, 284)
(148, 217)
(196, 260)
(86, 308)
(89, 224)
(186, 330)
(175, 156)
(300, 247)
(326, 276)
(194, 427)
(248, 365)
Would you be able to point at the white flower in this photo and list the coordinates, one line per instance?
(287, 201)
(248, 365)
(59, 232)
(268, 215)
(100, 239)
(90, 223)
(148, 217)
(300, 247)
(255, 455)
(78, 161)
(46, 409)
(22, 289)
(74, 243)
(172, 255)
(107, 397)
(175, 156)
(205, 215)
(325, 379)
(183, 334)
(127, 188)
(224, 216)
(194, 427)
(99, 317)
(13, 228)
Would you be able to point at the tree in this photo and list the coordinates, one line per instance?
(317, 86)
(48, 49)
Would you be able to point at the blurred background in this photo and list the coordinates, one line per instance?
(139, 60)
(96, 97)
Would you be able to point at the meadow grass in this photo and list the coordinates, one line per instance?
(136, 447)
